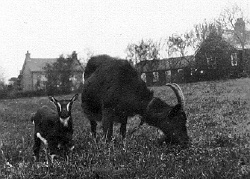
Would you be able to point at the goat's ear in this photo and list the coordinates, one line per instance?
(52, 99)
(74, 97)
(175, 110)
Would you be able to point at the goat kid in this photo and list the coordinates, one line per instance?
(53, 129)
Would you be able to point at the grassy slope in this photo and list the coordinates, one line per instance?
(218, 116)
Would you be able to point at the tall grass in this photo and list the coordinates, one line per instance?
(218, 117)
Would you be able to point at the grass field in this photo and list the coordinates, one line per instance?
(218, 116)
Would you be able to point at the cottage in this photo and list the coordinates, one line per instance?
(217, 57)
(222, 56)
(169, 70)
(33, 76)
(239, 37)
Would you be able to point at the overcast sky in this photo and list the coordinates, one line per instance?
(49, 28)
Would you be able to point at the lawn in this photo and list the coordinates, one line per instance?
(218, 116)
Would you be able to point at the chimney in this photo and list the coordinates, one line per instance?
(240, 25)
(27, 55)
(74, 55)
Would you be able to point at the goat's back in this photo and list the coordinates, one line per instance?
(114, 83)
(94, 63)
(44, 115)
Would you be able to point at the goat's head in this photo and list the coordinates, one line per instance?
(171, 120)
(64, 108)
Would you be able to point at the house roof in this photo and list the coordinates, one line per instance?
(13, 79)
(166, 64)
(37, 64)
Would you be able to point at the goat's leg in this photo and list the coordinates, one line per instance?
(123, 128)
(69, 154)
(107, 124)
(93, 128)
(53, 148)
(36, 147)
(68, 149)
(93, 117)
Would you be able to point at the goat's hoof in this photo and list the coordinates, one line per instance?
(52, 157)
(72, 148)
(35, 159)
(160, 141)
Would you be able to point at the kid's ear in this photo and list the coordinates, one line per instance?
(75, 97)
(52, 99)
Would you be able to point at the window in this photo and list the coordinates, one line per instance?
(73, 79)
(180, 70)
(155, 76)
(211, 61)
(168, 76)
(43, 78)
(40, 81)
(168, 73)
(143, 77)
(43, 81)
(234, 59)
(193, 70)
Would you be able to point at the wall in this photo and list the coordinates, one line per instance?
(26, 82)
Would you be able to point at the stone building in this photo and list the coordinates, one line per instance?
(33, 77)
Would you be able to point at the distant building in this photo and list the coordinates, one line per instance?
(33, 77)
(209, 62)
(168, 70)
(239, 38)
(216, 59)
(240, 34)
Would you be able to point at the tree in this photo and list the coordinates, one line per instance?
(59, 73)
(202, 31)
(87, 54)
(180, 45)
(144, 50)
(2, 84)
(212, 57)
(233, 20)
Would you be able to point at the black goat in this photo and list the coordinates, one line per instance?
(113, 91)
(54, 129)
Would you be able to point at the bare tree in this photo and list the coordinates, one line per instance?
(180, 45)
(144, 50)
(88, 53)
(2, 83)
(233, 21)
(202, 31)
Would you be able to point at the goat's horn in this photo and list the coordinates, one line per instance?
(178, 92)
(150, 103)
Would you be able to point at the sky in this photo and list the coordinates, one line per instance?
(49, 28)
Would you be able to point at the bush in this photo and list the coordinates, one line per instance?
(5, 94)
